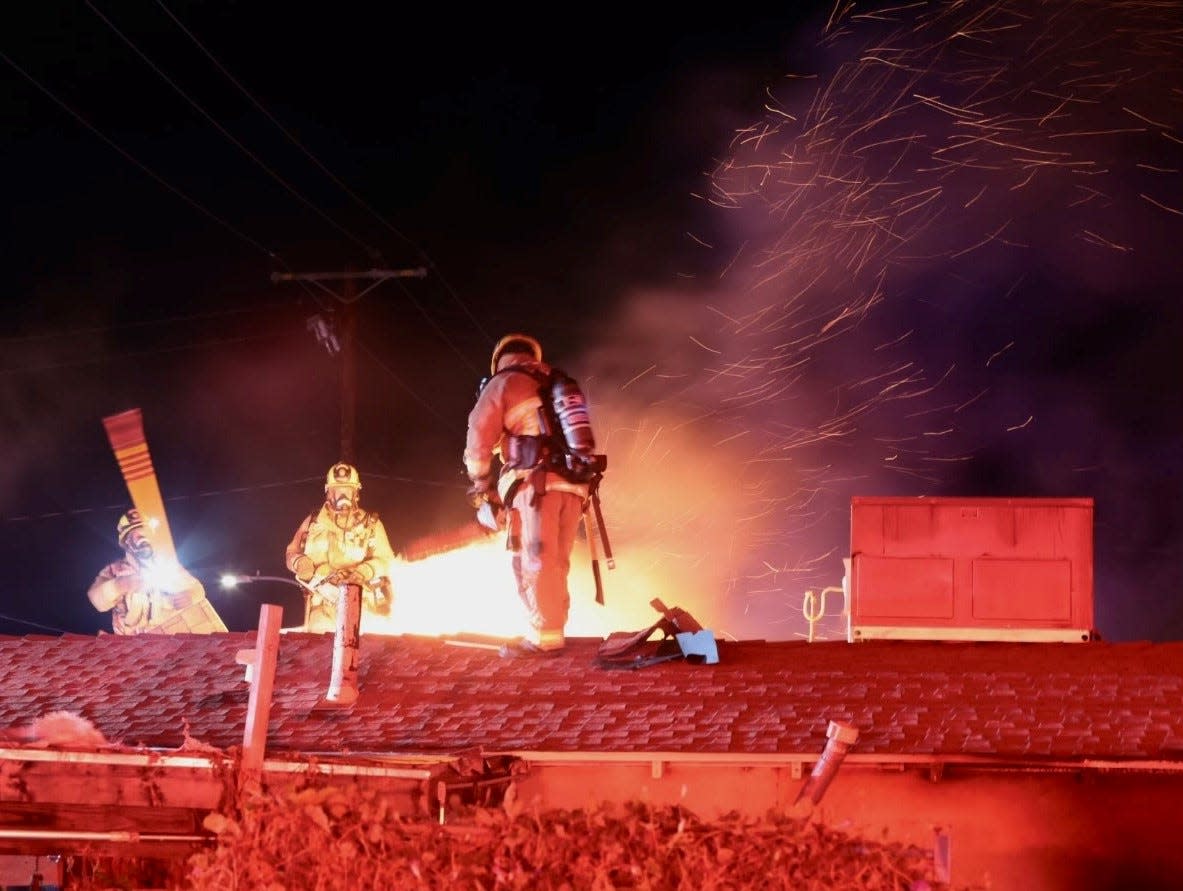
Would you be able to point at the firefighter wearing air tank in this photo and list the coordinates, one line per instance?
(543, 481)
(340, 544)
(342, 557)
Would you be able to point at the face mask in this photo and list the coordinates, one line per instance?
(139, 547)
(341, 499)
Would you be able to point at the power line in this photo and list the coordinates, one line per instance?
(119, 357)
(212, 493)
(370, 251)
(8, 618)
(100, 329)
(313, 158)
(327, 172)
(192, 202)
(282, 129)
(443, 335)
(398, 380)
(216, 218)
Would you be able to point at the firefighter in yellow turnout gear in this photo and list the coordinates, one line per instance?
(140, 590)
(341, 556)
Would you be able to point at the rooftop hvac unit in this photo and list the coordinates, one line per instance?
(1015, 569)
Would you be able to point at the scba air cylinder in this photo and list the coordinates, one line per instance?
(571, 408)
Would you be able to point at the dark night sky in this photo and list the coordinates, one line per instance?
(792, 264)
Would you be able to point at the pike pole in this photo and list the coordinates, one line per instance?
(597, 535)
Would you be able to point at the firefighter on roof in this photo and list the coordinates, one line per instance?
(138, 590)
(543, 502)
(342, 557)
(338, 545)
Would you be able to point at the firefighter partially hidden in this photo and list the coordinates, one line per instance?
(341, 556)
(139, 590)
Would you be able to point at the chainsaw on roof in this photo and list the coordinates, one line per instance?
(491, 519)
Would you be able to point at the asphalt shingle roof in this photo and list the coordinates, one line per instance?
(420, 695)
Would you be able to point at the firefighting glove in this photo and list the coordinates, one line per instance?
(491, 515)
(340, 577)
(319, 575)
(381, 597)
(481, 490)
(304, 568)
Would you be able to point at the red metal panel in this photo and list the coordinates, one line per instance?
(904, 587)
(954, 565)
(1022, 590)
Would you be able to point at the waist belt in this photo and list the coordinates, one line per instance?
(523, 452)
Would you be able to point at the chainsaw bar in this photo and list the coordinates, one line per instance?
(444, 542)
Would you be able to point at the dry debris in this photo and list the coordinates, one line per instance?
(328, 839)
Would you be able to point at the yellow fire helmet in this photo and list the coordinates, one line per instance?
(515, 343)
(127, 523)
(342, 474)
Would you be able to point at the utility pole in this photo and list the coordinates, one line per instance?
(347, 344)
(348, 371)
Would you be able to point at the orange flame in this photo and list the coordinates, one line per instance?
(471, 590)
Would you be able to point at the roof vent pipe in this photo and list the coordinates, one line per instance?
(840, 736)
